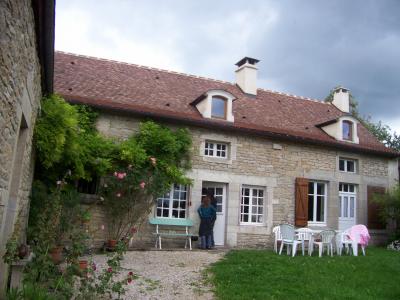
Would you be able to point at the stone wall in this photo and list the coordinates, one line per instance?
(262, 162)
(20, 88)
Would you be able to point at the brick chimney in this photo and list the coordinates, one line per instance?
(246, 75)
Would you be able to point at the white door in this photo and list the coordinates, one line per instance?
(347, 205)
(219, 192)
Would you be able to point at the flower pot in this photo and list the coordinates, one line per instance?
(83, 264)
(23, 251)
(112, 244)
(56, 254)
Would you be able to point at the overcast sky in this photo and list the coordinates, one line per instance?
(305, 47)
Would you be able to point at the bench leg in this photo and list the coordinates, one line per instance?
(156, 242)
(159, 241)
(190, 242)
(186, 241)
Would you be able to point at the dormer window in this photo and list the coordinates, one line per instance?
(218, 107)
(347, 130)
(215, 104)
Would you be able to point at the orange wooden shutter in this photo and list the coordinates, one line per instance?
(301, 198)
(374, 220)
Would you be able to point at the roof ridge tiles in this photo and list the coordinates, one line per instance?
(186, 74)
(144, 67)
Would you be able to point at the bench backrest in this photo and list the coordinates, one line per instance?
(171, 222)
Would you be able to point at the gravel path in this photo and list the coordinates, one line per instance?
(167, 274)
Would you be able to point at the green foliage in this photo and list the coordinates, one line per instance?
(390, 209)
(29, 291)
(150, 162)
(255, 274)
(383, 133)
(95, 284)
(65, 138)
(11, 254)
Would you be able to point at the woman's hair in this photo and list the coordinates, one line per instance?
(205, 201)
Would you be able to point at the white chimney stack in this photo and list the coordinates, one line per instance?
(341, 99)
(246, 75)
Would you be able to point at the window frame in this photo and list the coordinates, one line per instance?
(224, 117)
(250, 213)
(171, 203)
(346, 169)
(349, 194)
(315, 195)
(351, 130)
(215, 150)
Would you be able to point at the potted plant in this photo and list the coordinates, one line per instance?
(56, 254)
(86, 217)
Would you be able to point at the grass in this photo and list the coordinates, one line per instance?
(256, 274)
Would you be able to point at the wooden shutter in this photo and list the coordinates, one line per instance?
(301, 198)
(374, 220)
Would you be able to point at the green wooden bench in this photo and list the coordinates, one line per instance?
(180, 223)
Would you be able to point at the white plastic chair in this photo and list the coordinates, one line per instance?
(277, 237)
(327, 237)
(305, 235)
(288, 238)
(345, 241)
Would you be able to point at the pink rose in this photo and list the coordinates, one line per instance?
(142, 184)
(115, 174)
(109, 270)
(118, 195)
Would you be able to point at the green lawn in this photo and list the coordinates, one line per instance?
(256, 274)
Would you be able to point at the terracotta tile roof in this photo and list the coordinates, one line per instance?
(165, 94)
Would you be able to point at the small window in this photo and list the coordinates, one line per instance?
(214, 149)
(87, 186)
(252, 205)
(218, 107)
(174, 203)
(347, 165)
(347, 130)
(317, 202)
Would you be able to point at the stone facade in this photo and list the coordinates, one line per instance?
(272, 165)
(20, 87)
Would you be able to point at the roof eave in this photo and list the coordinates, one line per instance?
(231, 128)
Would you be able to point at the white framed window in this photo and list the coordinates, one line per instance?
(347, 130)
(317, 202)
(347, 165)
(216, 149)
(174, 203)
(252, 205)
(218, 107)
(347, 201)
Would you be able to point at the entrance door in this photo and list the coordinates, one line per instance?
(347, 205)
(219, 192)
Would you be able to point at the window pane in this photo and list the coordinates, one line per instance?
(341, 165)
(320, 209)
(310, 207)
(351, 188)
(350, 166)
(340, 207)
(320, 188)
(347, 127)
(352, 200)
(218, 107)
(311, 187)
(346, 207)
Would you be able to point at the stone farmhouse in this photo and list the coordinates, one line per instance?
(268, 157)
(26, 74)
